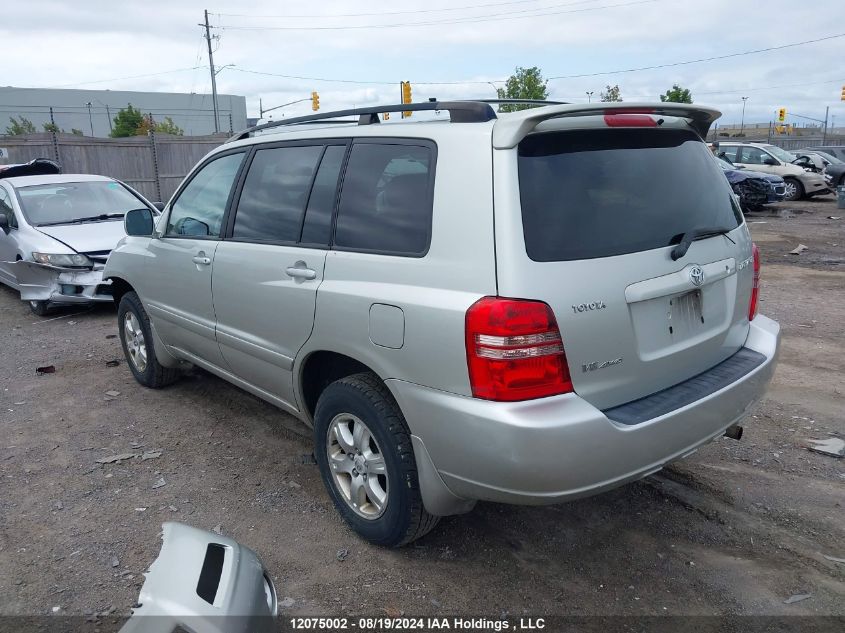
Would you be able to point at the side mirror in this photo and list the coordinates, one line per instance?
(139, 222)
(769, 161)
(160, 205)
(4, 223)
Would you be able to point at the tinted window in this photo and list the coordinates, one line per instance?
(6, 208)
(386, 199)
(597, 193)
(318, 217)
(198, 211)
(275, 193)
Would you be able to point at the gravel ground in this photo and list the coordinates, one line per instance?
(737, 528)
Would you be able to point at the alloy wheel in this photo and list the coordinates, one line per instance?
(136, 346)
(357, 466)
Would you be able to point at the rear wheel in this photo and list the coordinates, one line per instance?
(363, 449)
(41, 308)
(793, 190)
(137, 342)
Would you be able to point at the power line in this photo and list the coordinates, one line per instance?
(703, 59)
(102, 81)
(469, 20)
(362, 15)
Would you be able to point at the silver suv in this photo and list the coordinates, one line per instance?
(524, 308)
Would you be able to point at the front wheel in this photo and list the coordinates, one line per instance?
(793, 190)
(137, 342)
(363, 449)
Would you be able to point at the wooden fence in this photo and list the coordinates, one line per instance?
(154, 165)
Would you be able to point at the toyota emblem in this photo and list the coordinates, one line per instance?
(696, 275)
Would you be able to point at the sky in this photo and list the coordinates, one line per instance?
(356, 53)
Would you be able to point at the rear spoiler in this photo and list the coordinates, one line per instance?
(511, 129)
(35, 167)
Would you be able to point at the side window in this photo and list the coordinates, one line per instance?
(386, 199)
(318, 217)
(730, 152)
(6, 208)
(198, 211)
(753, 155)
(275, 193)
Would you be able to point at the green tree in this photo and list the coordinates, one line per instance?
(162, 127)
(127, 122)
(525, 83)
(20, 126)
(76, 132)
(52, 127)
(611, 93)
(677, 95)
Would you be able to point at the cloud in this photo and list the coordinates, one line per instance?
(49, 43)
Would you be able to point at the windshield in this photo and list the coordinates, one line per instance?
(782, 154)
(66, 202)
(829, 157)
(603, 192)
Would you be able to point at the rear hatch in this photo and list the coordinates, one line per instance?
(587, 220)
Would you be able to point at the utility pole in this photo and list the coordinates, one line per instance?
(742, 123)
(90, 119)
(213, 74)
(826, 115)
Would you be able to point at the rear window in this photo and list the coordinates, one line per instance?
(598, 193)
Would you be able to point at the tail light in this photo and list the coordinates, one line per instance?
(514, 350)
(755, 286)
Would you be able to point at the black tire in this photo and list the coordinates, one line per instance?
(41, 308)
(153, 374)
(799, 190)
(404, 518)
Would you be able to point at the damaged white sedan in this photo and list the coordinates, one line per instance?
(56, 233)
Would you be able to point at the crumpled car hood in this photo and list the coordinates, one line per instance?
(89, 237)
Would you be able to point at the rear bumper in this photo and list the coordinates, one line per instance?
(560, 448)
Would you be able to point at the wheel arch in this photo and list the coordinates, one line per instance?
(119, 288)
(317, 370)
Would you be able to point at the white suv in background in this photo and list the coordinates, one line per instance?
(771, 159)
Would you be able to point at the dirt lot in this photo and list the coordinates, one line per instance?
(737, 528)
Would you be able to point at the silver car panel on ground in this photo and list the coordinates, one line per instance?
(56, 284)
(204, 582)
(404, 317)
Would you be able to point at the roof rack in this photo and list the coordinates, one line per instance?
(459, 111)
(539, 102)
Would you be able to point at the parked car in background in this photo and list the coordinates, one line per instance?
(587, 317)
(57, 230)
(828, 165)
(834, 150)
(800, 182)
(754, 188)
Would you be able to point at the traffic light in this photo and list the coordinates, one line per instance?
(406, 96)
(842, 95)
(782, 114)
(315, 101)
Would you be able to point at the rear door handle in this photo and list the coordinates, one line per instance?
(300, 271)
(201, 259)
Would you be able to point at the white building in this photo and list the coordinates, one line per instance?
(93, 111)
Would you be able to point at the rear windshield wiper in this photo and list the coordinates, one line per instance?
(93, 218)
(694, 234)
